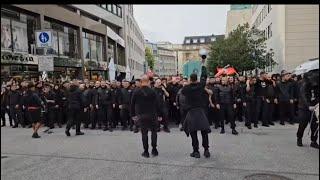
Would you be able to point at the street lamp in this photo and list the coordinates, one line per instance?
(203, 54)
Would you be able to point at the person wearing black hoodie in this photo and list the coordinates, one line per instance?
(103, 103)
(59, 104)
(196, 119)
(15, 105)
(74, 105)
(145, 109)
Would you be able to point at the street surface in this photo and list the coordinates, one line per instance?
(117, 155)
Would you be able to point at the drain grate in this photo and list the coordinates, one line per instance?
(265, 177)
(3, 157)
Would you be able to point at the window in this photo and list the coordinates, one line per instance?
(202, 40)
(269, 8)
(195, 40)
(65, 40)
(109, 7)
(114, 9)
(187, 41)
(93, 47)
(213, 38)
(270, 31)
(104, 6)
(17, 31)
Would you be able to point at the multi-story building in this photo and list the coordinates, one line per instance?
(135, 51)
(165, 59)
(190, 48)
(292, 32)
(237, 15)
(84, 38)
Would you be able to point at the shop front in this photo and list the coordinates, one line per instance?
(95, 70)
(15, 65)
(65, 68)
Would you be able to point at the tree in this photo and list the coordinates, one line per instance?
(149, 58)
(244, 49)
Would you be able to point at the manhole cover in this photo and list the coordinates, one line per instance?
(265, 177)
(2, 157)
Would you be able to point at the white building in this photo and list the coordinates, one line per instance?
(237, 15)
(135, 51)
(292, 32)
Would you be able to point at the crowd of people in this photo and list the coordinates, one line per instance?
(105, 105)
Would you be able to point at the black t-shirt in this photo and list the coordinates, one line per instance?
(260, 88)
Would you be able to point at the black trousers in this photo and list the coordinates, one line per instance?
(58, 116)
(286, 110)
(93, 117)
(267, 114)
(250, 113)
(217, 118)
(305, 117)
(73, 119)
(144, 133)
(50, 117)
(240, 111)
(195, 142)
(3, 114)
(116, 116)
(101, 115)
(259, 108)
(227, 113)
(165, 117)
(174, 113)
(16, 115)
(125, 118)
(210, 115)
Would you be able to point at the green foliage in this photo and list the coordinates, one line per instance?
(243, 49)
(150, 58)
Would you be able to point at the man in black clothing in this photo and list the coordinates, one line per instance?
(104, 105)
(269, 99)
(285, 94)
(145, 108)
(249, 103)
(240, 92)
(15, 105)
(50, 102)
(226, 103)
(196, 119)
(173, 90)
(91, 100)
(308, 99)
(181, 104)
(260, 88)
(85, 113)
(75, 105)
(162, 94)
(115, 107)
(124, 105)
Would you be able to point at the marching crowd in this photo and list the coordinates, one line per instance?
(106, 105)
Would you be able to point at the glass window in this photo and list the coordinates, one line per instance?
(6, 43)
(213, 38)
(195, 40)
(188, 41)
(114, 9)
(104, 6)
(86, 48)
(109, 7)
(202, 40)
(64, 44)
(93, 45)
(20, 37)
(99, 52)
(54, 49)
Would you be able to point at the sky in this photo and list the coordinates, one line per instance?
(173, 22)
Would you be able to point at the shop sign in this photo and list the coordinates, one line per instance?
(15, 58)
(65, 62)
(46, 63)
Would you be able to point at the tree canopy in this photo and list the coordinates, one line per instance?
(244, 49)
(149, 58)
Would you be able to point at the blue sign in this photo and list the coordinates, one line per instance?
(44, 37)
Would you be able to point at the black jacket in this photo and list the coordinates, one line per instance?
(91, 96)
(50, 96)
(225, 95)
(32, 100)
(260, 88)
(173, 91)
(124, 97)
(308, 96)
(75, 98)
(103, 97)
(14, 98)
(145, 105)
(285, 91)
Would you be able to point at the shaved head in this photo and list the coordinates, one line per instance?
(145, 80)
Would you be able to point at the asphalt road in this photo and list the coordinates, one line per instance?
(116, 155)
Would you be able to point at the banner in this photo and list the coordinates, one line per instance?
(6, 43)
(20, 37)
(46, 63)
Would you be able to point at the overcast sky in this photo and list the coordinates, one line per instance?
(174, 22)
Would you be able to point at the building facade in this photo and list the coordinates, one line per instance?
(237, 15)
(189, 49)
(165, 59)
(291, 31)
(135, 51)
(84, 38)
